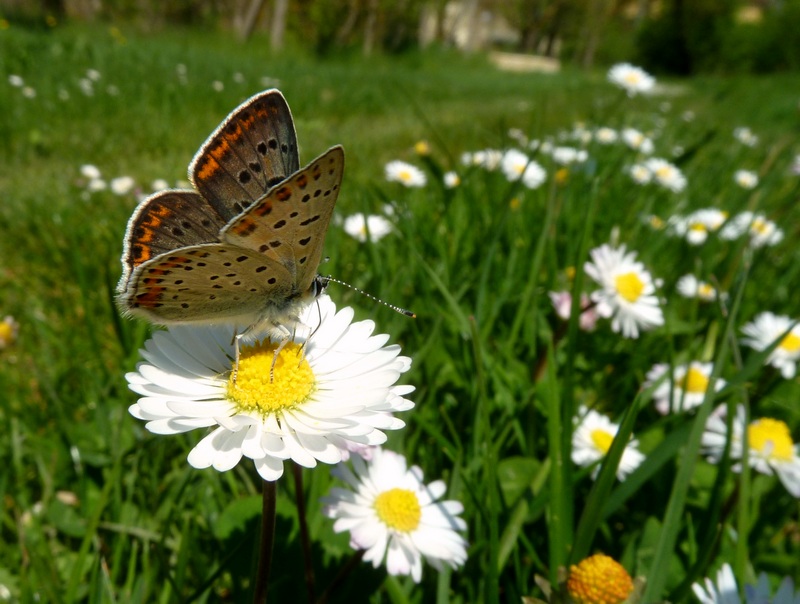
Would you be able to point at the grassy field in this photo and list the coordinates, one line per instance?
(97, 509)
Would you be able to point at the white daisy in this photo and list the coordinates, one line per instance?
(633, 80)
(90, 171)
(592, 440)
(518, 166)
(666, 174)
(404, 173)
(327, 390)
(637, 141)
(159, 184)
(9, 331)
(392, 514)
(606, 136)
(763, 232)
(696, 227)
(16, 81)
(724, 590)
(122, 185)
(488, 159)
(451, 180)
(745, 136)
(764, 330)
(640, 174)
(690, 286)
(687, 388)
(372, 227)
(769, 443)
(746, 179)
(628, 291)
(569, 155)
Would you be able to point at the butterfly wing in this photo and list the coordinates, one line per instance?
(211, 282)
(251, 151)
(166, 221)
(289, 223)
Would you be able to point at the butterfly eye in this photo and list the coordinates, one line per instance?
(319, 285)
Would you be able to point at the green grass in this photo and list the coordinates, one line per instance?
(97, 509)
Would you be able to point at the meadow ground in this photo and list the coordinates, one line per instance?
(96, 508)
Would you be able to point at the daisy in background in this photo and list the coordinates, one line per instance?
(606, 136)
(725, 591)
(393, 515)
(633, 80)
(745, 136)
(685, 390)
(488, 159)
(592, 440)
(451, 180)
(640, 174)
(518, 166)
(405, 173)
(690, 286)
(666, 174)
(569, 155)
(372, 227)
(628, 292)
(9, 331)
(697, 226)
(764, 330)
(562, 303)
(328, 390)
(122, 185)
(746, 179)
(770, 449)
(762, 232)
(637, 141)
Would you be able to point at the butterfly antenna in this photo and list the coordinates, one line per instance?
(402, 311)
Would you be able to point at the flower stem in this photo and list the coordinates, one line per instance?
(354, 561)
(297, 472)
(267, 539)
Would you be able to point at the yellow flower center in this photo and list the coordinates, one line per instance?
(399, 509)
(570, 272)
(704, 290)
(656, 222)
(790, 343)
(759, 226)
(629, 286)
(562, 175)
(7, 333)
(602, 439)
(664, 173)
(694, 382)
(266, 383)
(631, 78)
(599, 579)
(422, 148)
(771, 437)
(698, 226)
(404, 176)
(515, 203)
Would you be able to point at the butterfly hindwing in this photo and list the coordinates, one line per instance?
(251, 151)
(290, 222)
(210, 282)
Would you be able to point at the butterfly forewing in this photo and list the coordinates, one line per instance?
(290, 222)
(166, 221)
(210, 282)
(251, 151)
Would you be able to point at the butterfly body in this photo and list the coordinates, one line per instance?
(245, 247)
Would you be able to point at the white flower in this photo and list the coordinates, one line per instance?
(488, 159)
(90, 171)
(451, 180)
(28, 92)
(86, 86)
(569, 155)
(405, 174)
(93, 74)
(666, 174)
(518, 166)
(745, 179)
(640, 174)
(690, 286)
(392, 514)
(687, 388)
(334, 387)
(606, 136)
(16, 81)
(745, 136)
(770, 449)
(628, 292)
(761, 230)
(634, 80)
(637, 141)
(122, 185)
(159, 184)
(96, 184)
(724, 591)
(362, 227)
(696, 226)
(217, 86)
(764, 330)
(592, 440)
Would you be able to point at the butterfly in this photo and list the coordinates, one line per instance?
(244, 247)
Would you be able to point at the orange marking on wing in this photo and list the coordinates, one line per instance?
(208, 169)
(263, 208)
(302, 181)
(245, 227)
(151, 297)
(283, 193)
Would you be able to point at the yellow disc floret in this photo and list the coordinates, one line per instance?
(629, 286)
(771, 437)
(694, 382)
(268, 381)
(599, 579)
(399, 509)
(602, 439)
